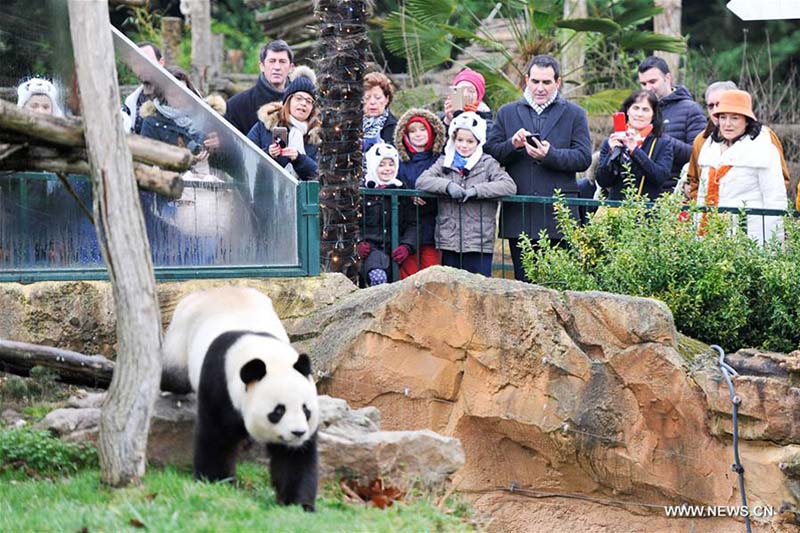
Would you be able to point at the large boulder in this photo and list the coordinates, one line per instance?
(560, 392)
(80, 316)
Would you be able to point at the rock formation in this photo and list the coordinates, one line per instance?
(580, 396)
(79, 315)
(351, 444)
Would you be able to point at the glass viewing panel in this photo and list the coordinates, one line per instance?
(239, 208)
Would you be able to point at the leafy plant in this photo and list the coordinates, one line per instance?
(722, 287)
(429, 33)
(41, 385)
(36, 452)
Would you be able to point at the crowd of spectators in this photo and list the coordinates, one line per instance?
(468, 156)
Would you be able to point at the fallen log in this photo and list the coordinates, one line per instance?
(44, 159)
(70, 367)
(69, 132)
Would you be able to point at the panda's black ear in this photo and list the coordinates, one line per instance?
(253, 371)
(303, 365)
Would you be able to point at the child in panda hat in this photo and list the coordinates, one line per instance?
(375, 244)
(465, 230)
(39, 95)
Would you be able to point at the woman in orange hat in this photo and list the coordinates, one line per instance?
(740, 167)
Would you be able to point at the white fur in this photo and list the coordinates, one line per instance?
(201, 317)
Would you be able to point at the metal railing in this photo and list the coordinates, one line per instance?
(529, 206)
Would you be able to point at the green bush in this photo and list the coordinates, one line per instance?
(40, 386)
(38, 452)
(722, 288)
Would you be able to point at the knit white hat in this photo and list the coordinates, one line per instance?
(33, 86)
(469, 121)
(377, 153)
(477, 126)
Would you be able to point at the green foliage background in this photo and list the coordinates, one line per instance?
(723, 288)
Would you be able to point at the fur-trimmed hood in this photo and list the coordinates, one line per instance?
(269, 115)
(439, 131)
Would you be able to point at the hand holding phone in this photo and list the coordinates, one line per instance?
(280, 136)
(529, 139)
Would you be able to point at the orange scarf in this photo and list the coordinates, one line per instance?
(715, 175)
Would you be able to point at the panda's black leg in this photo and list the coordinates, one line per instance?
(294, 473)
(215, 446)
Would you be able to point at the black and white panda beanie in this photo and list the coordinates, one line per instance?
(477, 126)
(377, 153)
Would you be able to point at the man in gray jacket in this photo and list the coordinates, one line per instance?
(542, 140)
(683, 117)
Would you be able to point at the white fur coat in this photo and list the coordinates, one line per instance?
(755, 181)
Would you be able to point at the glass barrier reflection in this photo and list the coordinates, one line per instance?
(239, 208)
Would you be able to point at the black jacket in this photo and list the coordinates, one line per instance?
(655, 170)
(243, 108)
(564, 126)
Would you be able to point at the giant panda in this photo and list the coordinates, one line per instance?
(230, 345)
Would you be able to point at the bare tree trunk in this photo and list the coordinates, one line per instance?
(573, 55)
(125, 421)
(201, 44)
(669, 23)
(171, 39)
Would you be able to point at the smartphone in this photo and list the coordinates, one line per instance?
(457, 98)
(533, 136)
(620, 122)
(280, 135)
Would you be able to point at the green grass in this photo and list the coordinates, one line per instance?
(170, 500)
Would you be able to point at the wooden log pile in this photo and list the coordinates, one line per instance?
(291, 20)
(34, 142)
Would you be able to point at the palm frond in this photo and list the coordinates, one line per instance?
(602, 25)
(603, 102)
(649, 41)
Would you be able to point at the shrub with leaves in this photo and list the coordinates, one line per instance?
(722, 287)
(36, 452)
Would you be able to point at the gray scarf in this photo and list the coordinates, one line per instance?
(539, 109)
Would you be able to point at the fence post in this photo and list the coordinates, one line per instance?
(308, 227)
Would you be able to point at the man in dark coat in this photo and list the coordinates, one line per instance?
(275, 64)
(541, 166)
(683, 117)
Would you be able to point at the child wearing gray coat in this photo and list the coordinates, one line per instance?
(471, 181)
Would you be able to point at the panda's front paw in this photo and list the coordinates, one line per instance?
(309, 507)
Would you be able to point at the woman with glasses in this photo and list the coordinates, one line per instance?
(298, 118)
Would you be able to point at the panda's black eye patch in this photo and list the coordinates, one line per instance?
(306, 412)
(277, 413)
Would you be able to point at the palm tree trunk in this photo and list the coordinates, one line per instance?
(343, 44)
(669, 23)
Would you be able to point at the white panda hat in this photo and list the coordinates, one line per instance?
(34, 86)
(377, 153)
(465, 121)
